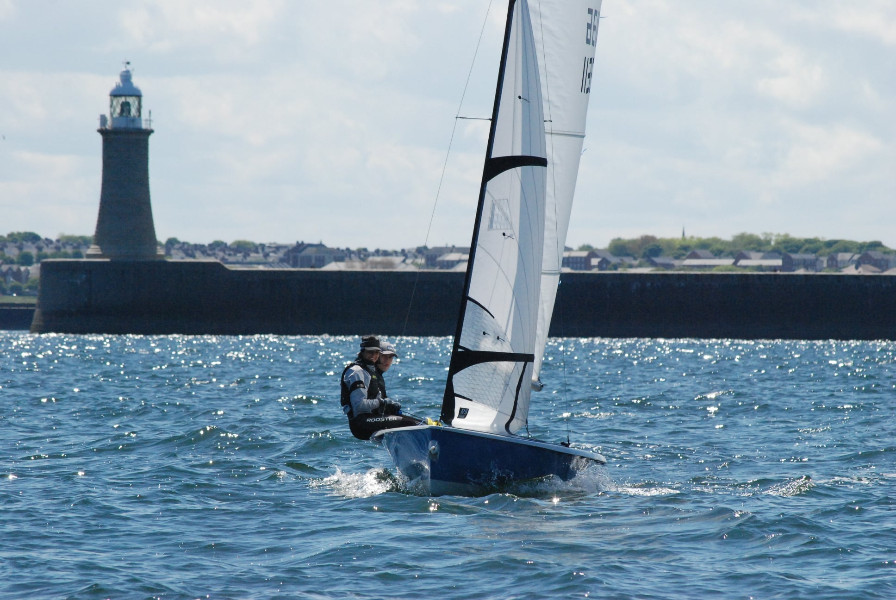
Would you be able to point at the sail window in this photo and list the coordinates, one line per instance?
(499, 219)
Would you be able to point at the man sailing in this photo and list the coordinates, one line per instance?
(362, 401)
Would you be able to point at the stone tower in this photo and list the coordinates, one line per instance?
(124, 227)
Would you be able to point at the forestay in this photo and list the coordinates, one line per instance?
(565, 34)
(488, 385)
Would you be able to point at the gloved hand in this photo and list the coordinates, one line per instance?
(391, 407)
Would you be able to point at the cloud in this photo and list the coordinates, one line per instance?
(7, 9)
(49, 189)
(874, 20)
(824, 153)
(736, 116)
(166, 26)
(795, 82)
(279, 120)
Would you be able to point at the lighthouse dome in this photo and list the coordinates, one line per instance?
(125, 87)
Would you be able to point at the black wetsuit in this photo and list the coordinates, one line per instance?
(362, 401)
(381, 381)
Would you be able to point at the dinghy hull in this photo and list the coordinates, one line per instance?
(449, 461)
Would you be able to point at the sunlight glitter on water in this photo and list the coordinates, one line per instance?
(224, 463)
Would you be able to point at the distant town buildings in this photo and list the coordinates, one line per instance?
(20, 260)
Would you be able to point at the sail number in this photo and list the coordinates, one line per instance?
(590, 40)
(587, 66)
(591, 27)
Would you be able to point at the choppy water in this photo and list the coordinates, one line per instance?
(221, 467)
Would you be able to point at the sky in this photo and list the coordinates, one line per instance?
(334, 121)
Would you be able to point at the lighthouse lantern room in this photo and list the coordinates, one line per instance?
(125, 101)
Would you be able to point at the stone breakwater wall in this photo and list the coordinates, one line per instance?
(206, 297)
(194, 297)
(17, 316)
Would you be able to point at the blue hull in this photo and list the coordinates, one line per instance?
(446, 460)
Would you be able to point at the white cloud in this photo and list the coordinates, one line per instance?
(795, 81)
(872, 19)
(820, 154)
(7, 9)
(171, 25)
(279, 120)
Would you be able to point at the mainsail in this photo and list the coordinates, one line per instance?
(565, 38)
(488, 385)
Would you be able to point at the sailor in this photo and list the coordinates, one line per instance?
(367, 409)
(387, 355)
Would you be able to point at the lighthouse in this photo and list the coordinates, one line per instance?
(124, 226)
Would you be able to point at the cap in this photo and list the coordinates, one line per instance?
(370, 342)
(388, 349)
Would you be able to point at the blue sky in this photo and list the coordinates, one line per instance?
(330, 121)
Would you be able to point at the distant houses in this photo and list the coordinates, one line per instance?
(704, 260)
(304, 255)
(878, 260)
(312, 256)
(20, 259)
(578, 260)
(441, 257)
(15, 274)
(453, 261)
(792, 263)
(841, 260)
(665, 263)
(594, 260)
(759, 261)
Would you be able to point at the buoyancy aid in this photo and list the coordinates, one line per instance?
(382, 382)
(346, 391)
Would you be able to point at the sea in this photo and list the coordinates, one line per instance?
(172, 467)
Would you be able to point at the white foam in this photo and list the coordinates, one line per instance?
(358, 485)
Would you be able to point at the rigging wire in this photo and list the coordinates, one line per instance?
(457, 117)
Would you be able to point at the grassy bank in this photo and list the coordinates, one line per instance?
(18, 300)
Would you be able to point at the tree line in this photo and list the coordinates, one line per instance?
(645, 246)
(649, 246)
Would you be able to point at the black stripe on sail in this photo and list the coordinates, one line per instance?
(498, 164)
(519, 386)
(467, 358)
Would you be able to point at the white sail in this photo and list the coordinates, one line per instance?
(488, 385)
(565, 38)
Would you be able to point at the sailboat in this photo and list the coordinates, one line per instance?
(546, 61)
